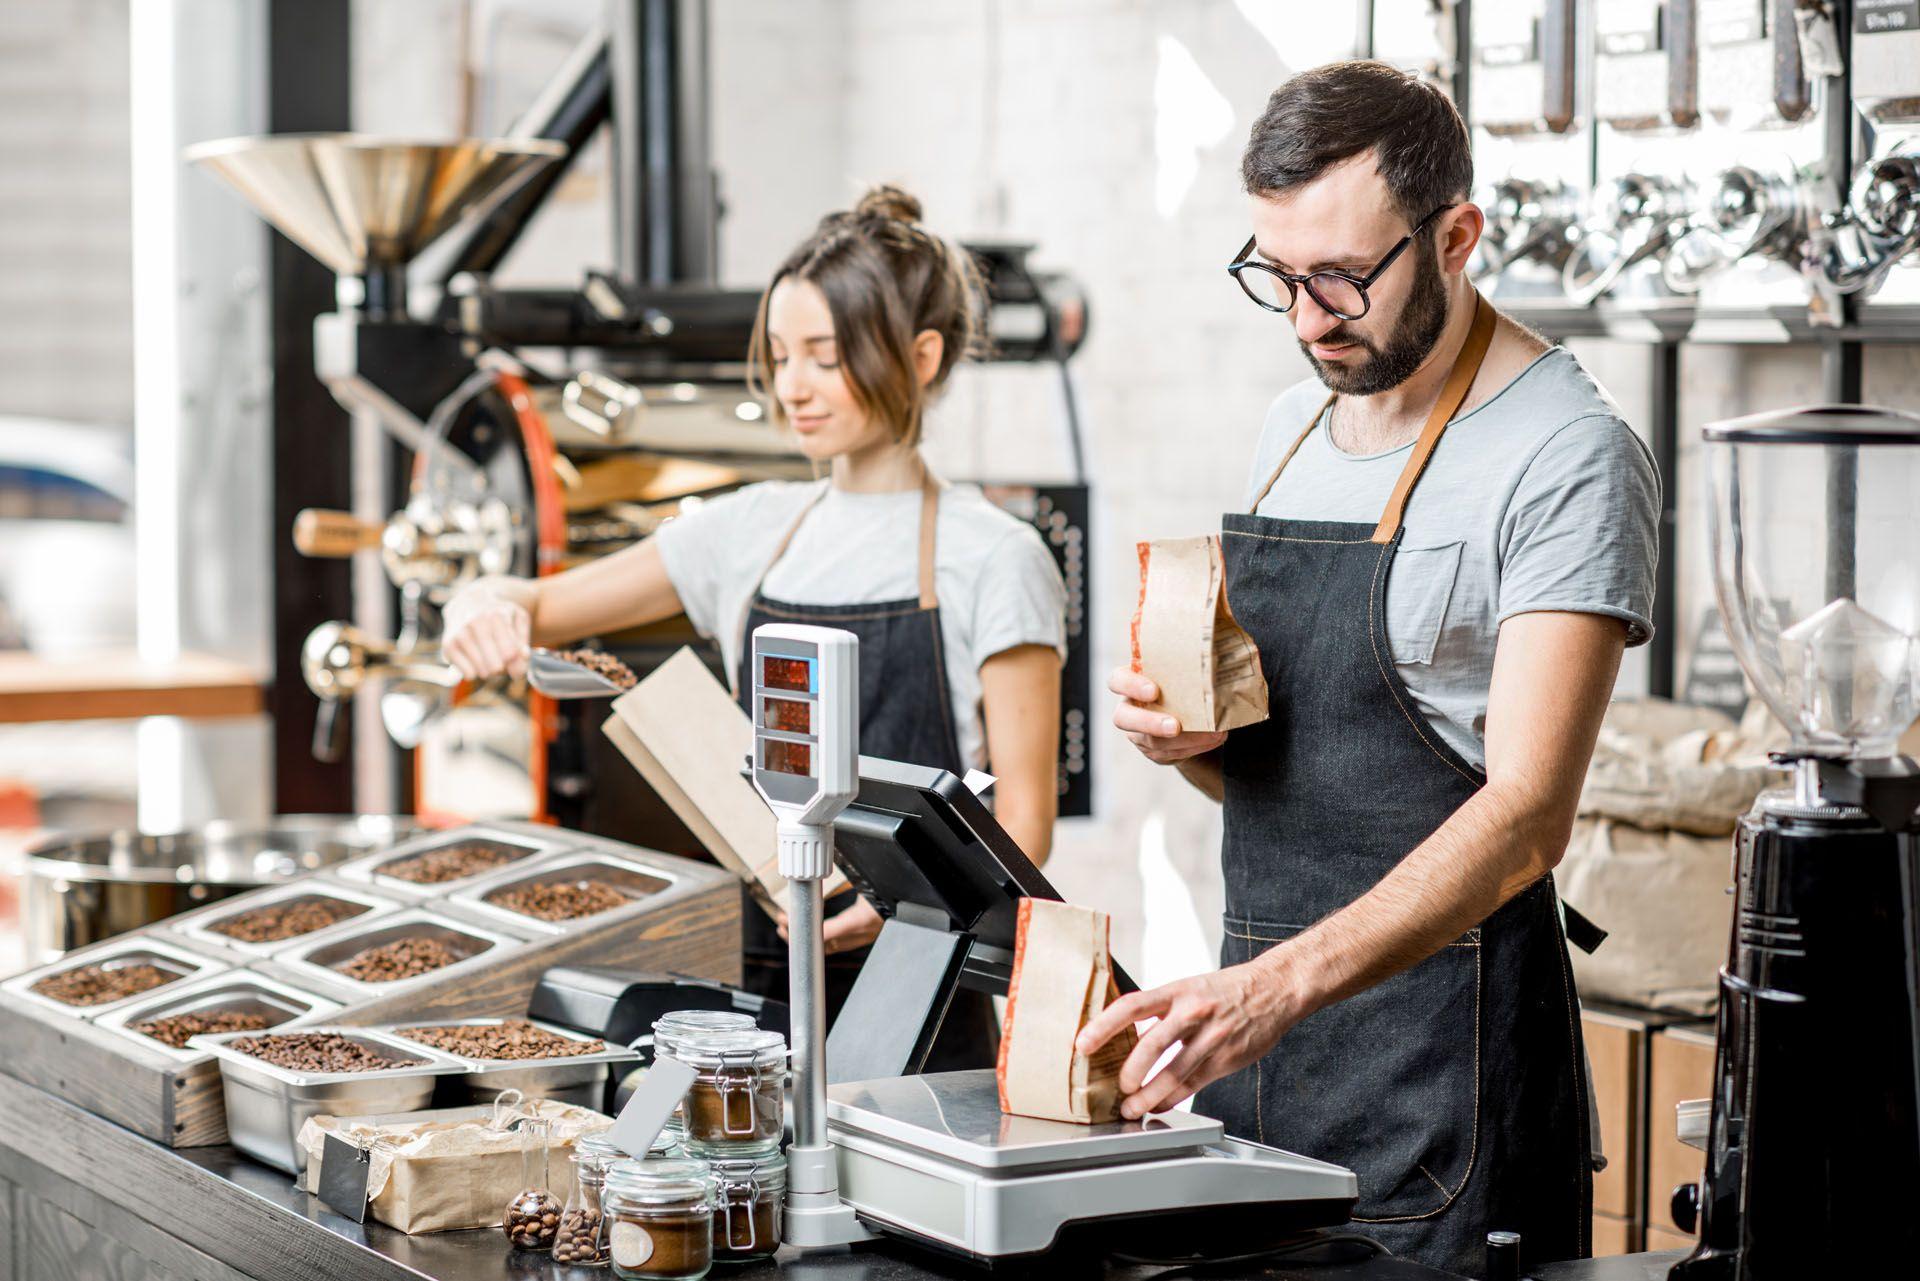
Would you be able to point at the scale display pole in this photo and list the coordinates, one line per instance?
(806, 756)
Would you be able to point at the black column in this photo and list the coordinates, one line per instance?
(308, 74)
(1664, 437)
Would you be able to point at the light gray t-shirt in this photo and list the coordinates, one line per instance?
(998, 585)
(1539, 499)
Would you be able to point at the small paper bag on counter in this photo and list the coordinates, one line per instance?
(450, 1169)
(689, 739)
(1062, 977)
(1186, 642)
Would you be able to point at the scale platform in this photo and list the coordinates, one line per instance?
(933, 1157)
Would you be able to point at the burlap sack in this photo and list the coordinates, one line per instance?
(451, 1169)
(1662, 897)
(1666, 766)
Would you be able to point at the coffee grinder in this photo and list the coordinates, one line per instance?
(1813, 1150)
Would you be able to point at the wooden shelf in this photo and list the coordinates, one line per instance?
(119, 686)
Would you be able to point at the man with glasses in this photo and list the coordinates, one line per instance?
(1448, 541)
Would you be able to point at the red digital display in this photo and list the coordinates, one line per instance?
(787, 673)
(781, 757)
(786, 714)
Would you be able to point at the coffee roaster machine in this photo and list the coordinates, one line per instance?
(538, 428)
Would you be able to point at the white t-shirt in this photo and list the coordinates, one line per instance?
(998, 586)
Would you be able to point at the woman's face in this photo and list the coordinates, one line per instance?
(807, 378)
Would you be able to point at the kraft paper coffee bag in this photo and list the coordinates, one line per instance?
(1186, 642)
(1062, 977)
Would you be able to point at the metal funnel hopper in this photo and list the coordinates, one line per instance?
(364, 204)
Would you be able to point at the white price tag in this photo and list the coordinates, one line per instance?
(646, 1112)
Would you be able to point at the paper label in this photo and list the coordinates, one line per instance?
(632, 1245)
(344, 1169)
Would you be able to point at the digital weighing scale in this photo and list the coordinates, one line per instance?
(932, 1157)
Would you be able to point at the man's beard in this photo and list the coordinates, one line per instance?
(1406, 348)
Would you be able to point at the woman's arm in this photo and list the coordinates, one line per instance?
(1020, 696)
(491, 621)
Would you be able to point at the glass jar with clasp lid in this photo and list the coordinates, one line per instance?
(750, 1194)
(659, 1216)
(736, 1104)
(669, 1028)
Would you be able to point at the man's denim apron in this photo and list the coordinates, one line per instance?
(1453, 1089)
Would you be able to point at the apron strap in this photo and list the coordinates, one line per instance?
(1452, 396)
(1292, 449)
(929, 526)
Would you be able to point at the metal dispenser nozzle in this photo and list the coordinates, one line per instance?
(1747, 211)
(1526, 219)
(1880, 224)
(337, 659)
(1637, 216)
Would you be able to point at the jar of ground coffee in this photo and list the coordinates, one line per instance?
(736, 1102)
(659, 1219)
(749, 1193)
(668, 1029)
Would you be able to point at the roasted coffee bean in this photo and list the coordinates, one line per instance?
(453, 862)
(174, 1029)
(318, 1052)
(400, 959)
(579, 1240)
(512, 1039)
(287, 920)
(560, 900)
(601, 663)
(98, 984)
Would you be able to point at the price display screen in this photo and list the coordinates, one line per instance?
(787, 714)
(782, 757)
(787, 673)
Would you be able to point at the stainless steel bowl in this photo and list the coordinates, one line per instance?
(91, 886)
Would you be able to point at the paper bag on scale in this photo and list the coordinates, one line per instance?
(1186, 642)
(1062, 977)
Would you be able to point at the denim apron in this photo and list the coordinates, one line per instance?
(1454, 1089)
(906, 715)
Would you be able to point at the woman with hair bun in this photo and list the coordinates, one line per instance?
(958, 605)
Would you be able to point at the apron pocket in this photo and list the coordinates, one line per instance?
(1386, 1082)
(1419, 589)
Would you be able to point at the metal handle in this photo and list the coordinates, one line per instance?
(333, 535)
(330, 732)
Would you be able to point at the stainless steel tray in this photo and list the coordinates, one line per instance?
(289, 1007)
(197, 926)
(535, 839)
(570, 1080)
(318, 953)
(267, 1105)
(133, 949)
(633, 873)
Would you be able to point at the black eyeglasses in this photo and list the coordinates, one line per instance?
(1340, 292)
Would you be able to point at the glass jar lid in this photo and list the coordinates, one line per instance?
(714, 1050)
(662, 1181)
(670, 1027)
(597, 1151)
(767, 1171)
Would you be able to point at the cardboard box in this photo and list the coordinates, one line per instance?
(1614, 1235)
(1617, 1049)
(1681, 1069)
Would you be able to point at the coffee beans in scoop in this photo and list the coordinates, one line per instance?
(317, 1052)
(509, 1039)
(453, 862)
(98, 984)
(601, 664)
(401, 959)
(288, 920)
(174, 1029)
(560, 900)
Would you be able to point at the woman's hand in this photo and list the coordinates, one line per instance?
(1156, 734)
(487, 633)
(853, 926)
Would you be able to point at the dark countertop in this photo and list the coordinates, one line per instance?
(225, 1206)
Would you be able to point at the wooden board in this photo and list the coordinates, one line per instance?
(1614, 1235)
(119, 686)
(1682, 1068)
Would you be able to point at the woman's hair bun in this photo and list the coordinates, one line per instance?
(889, 201)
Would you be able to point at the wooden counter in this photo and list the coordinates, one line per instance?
(119, 686)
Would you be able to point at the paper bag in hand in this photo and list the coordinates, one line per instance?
(1186, 642)
(1062, 977)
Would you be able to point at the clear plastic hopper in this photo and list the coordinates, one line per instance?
(1814, 521)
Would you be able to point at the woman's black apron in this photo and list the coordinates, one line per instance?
(906, 715)
(1454, 1089)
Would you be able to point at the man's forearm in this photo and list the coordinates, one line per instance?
(1203, 771)
(1489, 850)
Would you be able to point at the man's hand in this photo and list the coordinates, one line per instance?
(1156, 734)
(1222, 1022)
(853, 926)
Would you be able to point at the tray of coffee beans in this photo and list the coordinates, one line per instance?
(393, 950)
(272, 920)
(274, 1081)
(431, 866)
(538, 1059)
(236, 1001)
(563, 892)
(89, 983)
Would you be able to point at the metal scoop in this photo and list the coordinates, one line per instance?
(557, 677)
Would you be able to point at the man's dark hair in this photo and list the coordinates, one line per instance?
(1330, 114)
